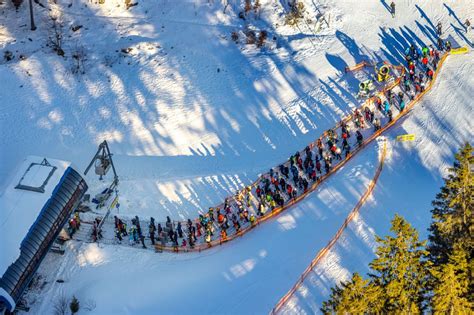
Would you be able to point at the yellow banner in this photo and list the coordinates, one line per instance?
(457, 51)
(114, 203)
(409, 137)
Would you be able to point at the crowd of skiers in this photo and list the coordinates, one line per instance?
(291, 179)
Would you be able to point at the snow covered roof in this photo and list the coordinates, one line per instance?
(22, 200)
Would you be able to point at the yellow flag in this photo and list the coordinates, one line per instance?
(114, 202)
(409, 137)
(457, 51)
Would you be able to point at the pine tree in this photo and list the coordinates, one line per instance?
(451, 285)
(452, 221)
(74, 305)
(401, 282)
(401, 269)
(330, 306)
(452, 212)
(355, 296)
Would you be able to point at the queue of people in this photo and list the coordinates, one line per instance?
(288, 181)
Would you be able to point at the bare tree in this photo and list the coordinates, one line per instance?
(55, 38)
(256, 8)
(61, 305)
(78, 60)
(296, 13)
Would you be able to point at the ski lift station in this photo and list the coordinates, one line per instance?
(34, 206)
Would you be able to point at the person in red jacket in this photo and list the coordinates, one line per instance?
(429, 74)
(424, 61)
(220, 217)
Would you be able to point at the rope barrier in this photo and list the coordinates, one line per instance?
(322, 253)
(289, 203)
(314, 186)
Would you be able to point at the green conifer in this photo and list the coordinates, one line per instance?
(452, 212)
(451, 285)
(401, 269)
(356, 296)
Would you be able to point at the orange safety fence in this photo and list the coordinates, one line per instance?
(365, 63)
(322, 253)
(314, 186)
(358, 66)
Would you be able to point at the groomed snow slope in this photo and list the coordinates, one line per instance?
(410, 180)
(249, 275)
(190, 115)
(244, 276)
(187, 134)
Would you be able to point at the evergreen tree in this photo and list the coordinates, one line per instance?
(451, 285)
(401, 269)
(74, 305)
(356, 296)
(452, 221)
(452, 212)
(401, 281)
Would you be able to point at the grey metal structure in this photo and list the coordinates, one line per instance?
(103, 162)
(41, 235)
(40, 188)
(104, 157)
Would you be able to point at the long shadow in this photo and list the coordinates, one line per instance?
(451, 12)
(428, 32)
(351, 45)
(425, 16)
(386, 6)
(461, 33)
(337, 62)
(131, 110)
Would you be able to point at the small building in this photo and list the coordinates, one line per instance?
(34, 207)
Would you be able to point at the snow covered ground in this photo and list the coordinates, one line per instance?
(244, 276)
(191, 116)
(409, 182)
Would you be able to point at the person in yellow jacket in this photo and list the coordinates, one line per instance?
(77, 219)
(253, 220)
(261, 209)
(208, 237)
(272, 203)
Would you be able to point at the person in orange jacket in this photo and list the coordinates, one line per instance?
(223, 235)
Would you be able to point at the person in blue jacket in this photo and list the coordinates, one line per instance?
(386, 106)
(402, 105)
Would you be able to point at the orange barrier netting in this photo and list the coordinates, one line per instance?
(322, 253)
(290, 203)
(356, 209)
